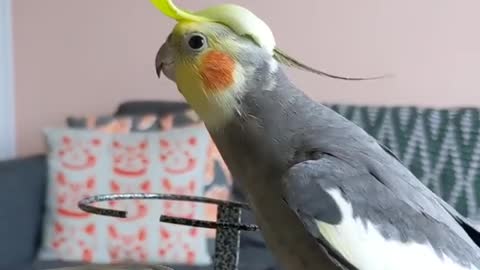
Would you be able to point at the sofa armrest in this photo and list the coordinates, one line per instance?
(22, 196)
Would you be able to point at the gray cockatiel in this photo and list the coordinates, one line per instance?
(325, 194)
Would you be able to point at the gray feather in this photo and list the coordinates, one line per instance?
(283, 58)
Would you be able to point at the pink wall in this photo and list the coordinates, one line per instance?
(84, 57)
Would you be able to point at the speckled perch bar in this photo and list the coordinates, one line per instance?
(228, 224)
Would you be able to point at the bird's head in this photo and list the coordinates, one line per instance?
(218, 54)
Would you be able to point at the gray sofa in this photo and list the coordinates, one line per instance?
(22, 196)
(440, 146)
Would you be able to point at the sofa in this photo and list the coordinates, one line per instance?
(22, 206)
(440, 146)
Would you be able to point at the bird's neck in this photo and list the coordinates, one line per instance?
(218, 109)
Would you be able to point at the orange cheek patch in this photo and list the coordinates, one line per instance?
(217, 71)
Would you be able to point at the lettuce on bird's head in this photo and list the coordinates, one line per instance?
(241, 20)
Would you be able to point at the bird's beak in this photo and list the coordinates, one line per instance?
(164, 62)
(159, 69)
(159, 60)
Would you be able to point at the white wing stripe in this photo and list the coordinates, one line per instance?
(366, 248)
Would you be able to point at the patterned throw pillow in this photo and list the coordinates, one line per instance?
(85, 163)
(218, 180)
(440, 146)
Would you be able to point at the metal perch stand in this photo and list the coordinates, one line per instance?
(228, 224)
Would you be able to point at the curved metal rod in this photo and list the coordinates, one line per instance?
(86, 205)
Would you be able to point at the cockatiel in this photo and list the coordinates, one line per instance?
(325, 194)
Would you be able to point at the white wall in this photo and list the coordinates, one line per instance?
(7, 117)
(84, 57)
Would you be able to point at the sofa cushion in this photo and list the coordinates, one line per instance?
(21, 201)
(85, 163)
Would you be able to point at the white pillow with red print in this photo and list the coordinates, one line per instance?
(84, 163)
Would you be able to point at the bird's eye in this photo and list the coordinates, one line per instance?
(197, 42)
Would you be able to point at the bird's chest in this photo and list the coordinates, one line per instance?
(283, 232)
